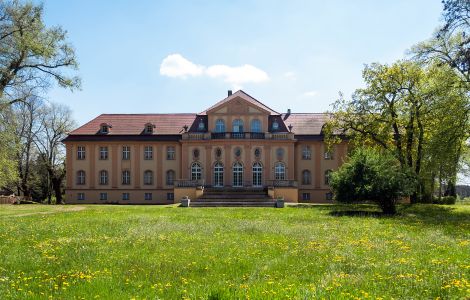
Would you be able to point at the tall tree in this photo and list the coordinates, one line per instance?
(56, 121)
(399, 109)
(32, 56)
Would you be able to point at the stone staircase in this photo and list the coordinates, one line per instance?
(234, 197)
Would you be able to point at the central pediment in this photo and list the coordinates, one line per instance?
(239, 103)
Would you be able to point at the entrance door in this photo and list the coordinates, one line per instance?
(237, 175)
(257, 174)
(218, 175)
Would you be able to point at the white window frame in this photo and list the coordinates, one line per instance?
(103, 152)
(80, 196)
(280, 171)
(218, 174)
(103, 196)
(126, 177)
(81, 177)
(257, 171)
(126, 196)
(170, 180)
(255, 125)
(103, 177)
(196, 171)
(148, 152)
(170, 153)
(148, 177)
(81, 154)
(126, 152)
(220, 125)
(306, 153)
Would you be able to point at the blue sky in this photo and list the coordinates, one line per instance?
(182, 56)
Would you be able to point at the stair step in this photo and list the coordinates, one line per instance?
(233, 204)
(231, 200)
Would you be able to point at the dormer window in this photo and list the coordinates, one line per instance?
(149, 128)
(275, 125)
(104, 128)
(201, 125)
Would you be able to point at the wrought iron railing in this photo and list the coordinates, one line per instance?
(282, 183)
(189, 183)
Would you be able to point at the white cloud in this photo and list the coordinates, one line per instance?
(290, 75)
(310, 94)
(238, 75)
(175, 65)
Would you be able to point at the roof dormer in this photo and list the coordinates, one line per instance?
(105, 128)
(149, 128)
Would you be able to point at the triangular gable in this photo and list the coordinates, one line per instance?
(236, 97)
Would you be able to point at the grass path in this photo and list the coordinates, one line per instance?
(167, 252)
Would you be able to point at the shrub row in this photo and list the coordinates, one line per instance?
(444, 200)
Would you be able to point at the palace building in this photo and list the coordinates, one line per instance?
(237, 145)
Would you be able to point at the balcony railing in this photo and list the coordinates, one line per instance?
(189, 183)
(282, 183)
(238, 135)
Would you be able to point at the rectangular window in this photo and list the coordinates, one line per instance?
(81, 152)
(329, 196)
(125, 196)
(103, 196)
(170, 153)
(148, 152)
(80, 196)
(148, 196)
(126, 152)
(103, 153)
(305, 196)
(170, 196)
(126, 177)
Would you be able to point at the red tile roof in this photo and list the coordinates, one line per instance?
(244, 96)
(305, 123)
(134, 124)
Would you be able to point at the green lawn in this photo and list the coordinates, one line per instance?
(167, 252)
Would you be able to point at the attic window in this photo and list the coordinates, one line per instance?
(104, 128)
(275, 125)
(149, 128)
(201, 125)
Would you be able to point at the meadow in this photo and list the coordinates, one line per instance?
(299, 252)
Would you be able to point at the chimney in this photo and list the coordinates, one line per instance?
(288, 111)
(229, 93)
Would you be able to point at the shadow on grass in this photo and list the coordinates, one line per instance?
(453, 219)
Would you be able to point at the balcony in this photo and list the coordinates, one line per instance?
(238, 136)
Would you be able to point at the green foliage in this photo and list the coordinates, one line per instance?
(165, 252)
(370, 175)
(33, 56)
(449, 200)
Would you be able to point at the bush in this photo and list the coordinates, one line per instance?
(370, 175)
(448, 200)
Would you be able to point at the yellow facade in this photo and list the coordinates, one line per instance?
(191, 152)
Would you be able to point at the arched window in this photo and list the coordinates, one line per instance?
(255, 125)
(148, 177)
(126, 177)
(103, 177)
(81, 177)
(237, 125)
(306, 177)
(170, 177)
(220, 125)
(237, 174)
(257, 174)
(328, 176)
(218, 174)
(196, 171)
(306, 152)
(279, 171)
